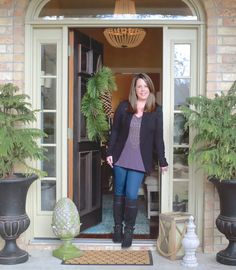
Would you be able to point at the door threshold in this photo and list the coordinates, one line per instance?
(89, 244)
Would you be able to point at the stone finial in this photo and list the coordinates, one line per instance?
(190, 243)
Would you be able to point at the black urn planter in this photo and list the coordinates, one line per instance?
(226, 221)
(13, 218)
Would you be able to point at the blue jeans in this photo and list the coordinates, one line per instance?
(127, 182)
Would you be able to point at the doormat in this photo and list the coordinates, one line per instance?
(112, 257)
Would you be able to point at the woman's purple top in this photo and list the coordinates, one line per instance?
(130, 157)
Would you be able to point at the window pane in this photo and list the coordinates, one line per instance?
(49, 165)
(180, 196)
(180, 134)
(48, 59)
(49, 127)
(182, 60)
(48, 195)
(91, 9)
(48, 93)
(182, 90)
(181, 169)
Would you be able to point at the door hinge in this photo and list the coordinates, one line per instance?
(70, 133)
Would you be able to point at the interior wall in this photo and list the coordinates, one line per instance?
(147, 55)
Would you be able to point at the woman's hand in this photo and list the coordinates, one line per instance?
(110, 161)
(164, 169)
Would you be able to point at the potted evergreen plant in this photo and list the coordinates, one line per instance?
(18, 146)
(214, 150)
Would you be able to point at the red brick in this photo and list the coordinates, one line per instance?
(212, 31)
(212, 68)
(6, 76)
(212, 59)
(6, 66)
(6, 40)
(227, 58)
(229, 31)
(20, 84)
(22, 3)
(225, 3)
(18, 76)
(209, 4)
(6, 21)
(227, 12)
(19, 48)
(229, 77)
(3, 12)
(211, 21)
(212, 40)
(6, 4)
(224, 86)
(229, 21)
(18, 67)
(6, 57)
(19, 12)
(229, 40)
(226, 67)
(214, 76)
(19, 57)
(211, 49)
(226, 49)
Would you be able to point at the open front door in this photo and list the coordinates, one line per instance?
(84, 156)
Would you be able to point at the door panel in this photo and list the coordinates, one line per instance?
(84, 155)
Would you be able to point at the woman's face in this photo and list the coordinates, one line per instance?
(142, 90)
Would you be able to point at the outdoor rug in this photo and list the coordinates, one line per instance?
(112, 257)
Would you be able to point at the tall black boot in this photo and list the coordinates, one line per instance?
(118, 215)
(131, 211)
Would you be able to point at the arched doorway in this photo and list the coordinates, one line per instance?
(180, 41)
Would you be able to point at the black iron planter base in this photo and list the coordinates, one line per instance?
(221, 258)
(12, 254)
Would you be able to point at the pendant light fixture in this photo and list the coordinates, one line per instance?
(123, 37)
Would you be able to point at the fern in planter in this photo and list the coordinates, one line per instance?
(214, 146)
(17, 141)
(99, 86)
(18, 145)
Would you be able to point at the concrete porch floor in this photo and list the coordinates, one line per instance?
(41, 258)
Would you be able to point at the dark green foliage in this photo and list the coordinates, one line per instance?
(214, 146)
(92, 107)
(17, 141)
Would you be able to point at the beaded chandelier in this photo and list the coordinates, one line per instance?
(122, 37)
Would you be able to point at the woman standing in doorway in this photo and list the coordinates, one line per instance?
(137, 131)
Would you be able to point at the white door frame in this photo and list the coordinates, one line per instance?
(33, 23)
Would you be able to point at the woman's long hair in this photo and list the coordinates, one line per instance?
(150, 105)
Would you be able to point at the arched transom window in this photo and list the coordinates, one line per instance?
(148, 9)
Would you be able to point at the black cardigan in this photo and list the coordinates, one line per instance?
(151, 135)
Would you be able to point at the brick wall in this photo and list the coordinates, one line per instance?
(221, 72)
(12, 13)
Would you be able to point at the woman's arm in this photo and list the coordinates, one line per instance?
(115, 128)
